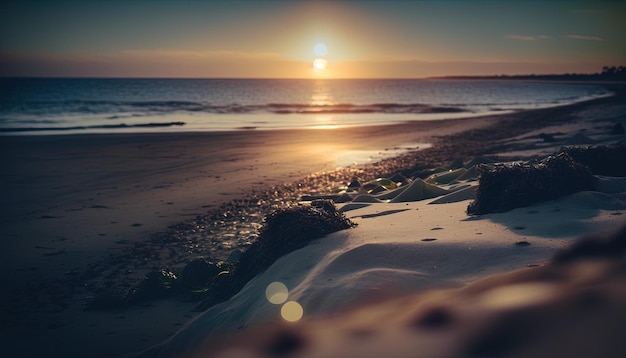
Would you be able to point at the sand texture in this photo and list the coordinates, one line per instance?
(84, 214)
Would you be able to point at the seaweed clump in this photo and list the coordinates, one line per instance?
(284, 231)
(601, 160)
(505, 187)
(287, 230)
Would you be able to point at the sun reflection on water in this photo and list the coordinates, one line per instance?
(321, 95)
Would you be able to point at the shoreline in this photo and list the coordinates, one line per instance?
(328, 117)
(77, 197)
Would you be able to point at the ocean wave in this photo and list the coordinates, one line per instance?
(115, 108)
(99, 126)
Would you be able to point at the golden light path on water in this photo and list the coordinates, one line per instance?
(277, 293)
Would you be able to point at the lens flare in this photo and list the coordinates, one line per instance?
(276, 293)
(320, 49)
(292, 311)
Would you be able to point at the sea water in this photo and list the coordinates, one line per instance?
(78, 105)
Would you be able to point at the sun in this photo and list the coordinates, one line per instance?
(320, 64)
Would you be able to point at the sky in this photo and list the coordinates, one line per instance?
(276, 39)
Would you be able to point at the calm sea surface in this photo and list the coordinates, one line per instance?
(59, 106)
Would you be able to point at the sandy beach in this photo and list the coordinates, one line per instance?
(73, 203)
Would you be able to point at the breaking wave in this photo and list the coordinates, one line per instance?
(103, 126)
(115, 108)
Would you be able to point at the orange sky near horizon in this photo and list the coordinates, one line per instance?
(365, 39)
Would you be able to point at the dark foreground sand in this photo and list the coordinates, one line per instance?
(70, 201)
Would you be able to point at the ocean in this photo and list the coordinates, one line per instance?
(72, 105)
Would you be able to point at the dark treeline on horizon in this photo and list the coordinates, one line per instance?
(609, 73)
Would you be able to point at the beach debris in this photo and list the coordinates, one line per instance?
(419, 190)
(399, 179)
(463, 193)
(375, 185)
(472, 173)
(284, 231)
(365, 198)
(446, 177)
(354, 184)
(343, 198)
(601, 160)
(508, 186)
(378, 190)
(289, 229)
(456, 164)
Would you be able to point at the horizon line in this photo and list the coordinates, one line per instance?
(501, 75)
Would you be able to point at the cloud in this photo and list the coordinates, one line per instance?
(152, 63)
(223, 64)
(528, 37)
(583, 37)
(191, 54)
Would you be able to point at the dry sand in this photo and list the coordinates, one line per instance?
(69, 200)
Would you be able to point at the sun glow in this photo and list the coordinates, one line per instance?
(320, 64)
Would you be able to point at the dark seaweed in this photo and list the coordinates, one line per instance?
(505, 187)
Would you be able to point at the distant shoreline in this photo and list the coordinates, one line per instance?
(582, 79)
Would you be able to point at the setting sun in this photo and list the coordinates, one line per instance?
(320, 64)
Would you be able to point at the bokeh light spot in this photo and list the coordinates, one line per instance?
(291, 311)
(276, 293)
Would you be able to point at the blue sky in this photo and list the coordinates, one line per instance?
(239, 38)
